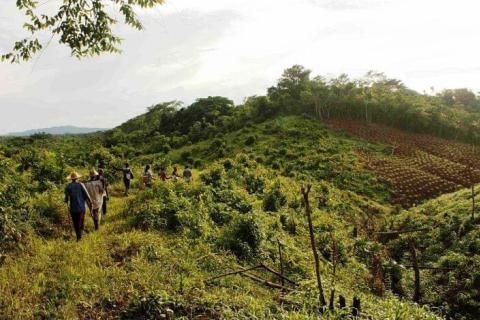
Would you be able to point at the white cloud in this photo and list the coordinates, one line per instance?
(236, 48)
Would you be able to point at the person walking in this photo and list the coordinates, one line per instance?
(127, 176)
(76, 195)
(147, 176)
(187, 174)
(163, 175)
(175, 175)
(96, 191)
(106, 197)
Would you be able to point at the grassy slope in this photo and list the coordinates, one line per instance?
(104, 273)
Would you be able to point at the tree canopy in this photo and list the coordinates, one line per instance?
(85, 26)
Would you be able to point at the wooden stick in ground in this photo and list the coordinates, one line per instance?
(243, 272)
(233, 272)
(281, 261)
(282, 277)
(416, 270)
(473, 201)
(308, 211)
(265, 282)
(428, 268)
(395, 232)
(334, 271)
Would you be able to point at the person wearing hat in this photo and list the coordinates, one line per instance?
(76, 195)
(96, 191)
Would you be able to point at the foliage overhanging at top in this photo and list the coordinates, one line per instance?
(85, 26)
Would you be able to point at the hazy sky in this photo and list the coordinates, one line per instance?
(237, 48)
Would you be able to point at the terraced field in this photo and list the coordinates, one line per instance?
(419, 166)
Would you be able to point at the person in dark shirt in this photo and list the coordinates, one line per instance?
(101, 174)
(187, 174)
(76, 196)
(175, 174)
(127, 176)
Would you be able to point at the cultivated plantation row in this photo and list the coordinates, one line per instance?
(418, 166)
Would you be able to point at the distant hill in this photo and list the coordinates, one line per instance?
(57, 131)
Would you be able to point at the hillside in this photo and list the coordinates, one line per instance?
(157, 249)
(394, 219)
(56, 131)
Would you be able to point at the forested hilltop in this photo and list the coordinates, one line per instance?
(394, 221)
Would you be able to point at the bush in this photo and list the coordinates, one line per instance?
(254, 184)
(233, 200)
(186, 156)
(220, 215)
(197, 163)
(250, 140)
(215, 177)
(150, 306)
(276, 165)
(244, 238)
(157, 214)
(274, 199)
(228, 164)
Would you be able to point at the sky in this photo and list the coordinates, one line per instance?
(237, 48)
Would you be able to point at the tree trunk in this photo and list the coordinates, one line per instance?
(473, 201)
(416, 270)
(281, 262)
(308, 211)
(356, 307)
(366, 112)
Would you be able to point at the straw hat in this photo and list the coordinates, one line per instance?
(74, 176)
(93, 173)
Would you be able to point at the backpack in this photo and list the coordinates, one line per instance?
(129, 175)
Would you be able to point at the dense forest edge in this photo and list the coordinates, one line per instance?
(394, 218)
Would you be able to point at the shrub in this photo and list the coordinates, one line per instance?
(186, 156)
(274, 199)
(157, 214)
(233, 200)
(197, 163)
(244, 238)
(150, 306)
(220, 215)
(215, 177)
(250, 140)
(289, 223)
(276, 165)
(227, 164)
(254, 184)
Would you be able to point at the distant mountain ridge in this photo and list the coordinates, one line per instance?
(57, 131)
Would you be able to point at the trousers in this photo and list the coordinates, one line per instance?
(78, 219)
(97, 216)
(104, 206)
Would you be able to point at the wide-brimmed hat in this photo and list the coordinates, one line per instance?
(93, 173)
(74, 176)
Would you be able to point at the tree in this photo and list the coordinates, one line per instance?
(85, 26)
(460, 98)
(289, 88)
(317, 94)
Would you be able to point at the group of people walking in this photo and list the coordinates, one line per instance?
(94, 192)
(162, 175)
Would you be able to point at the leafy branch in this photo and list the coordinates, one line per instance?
(85, 26)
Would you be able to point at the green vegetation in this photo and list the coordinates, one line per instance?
(161, 250)
(85, 27)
